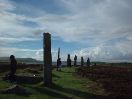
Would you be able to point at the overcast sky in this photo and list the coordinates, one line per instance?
(99, 29)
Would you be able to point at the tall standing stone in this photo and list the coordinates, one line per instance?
(47, 60)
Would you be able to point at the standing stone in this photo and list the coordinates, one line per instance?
(47, 60)
(75, 60)
(58, 53)
(88, 62)
(82, 61)
(58, 60)
(68, 61)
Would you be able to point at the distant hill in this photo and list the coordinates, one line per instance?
(21, 60)
(4, 59)
(26, 60)
(34, 61)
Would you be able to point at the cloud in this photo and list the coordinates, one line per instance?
(26, 53)
(86, 20)
(95, 21)
(7, 51)
(6, 5)
(14, 26)
(104, 24)
(119, 53)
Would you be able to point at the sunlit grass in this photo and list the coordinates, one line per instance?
(66, 85)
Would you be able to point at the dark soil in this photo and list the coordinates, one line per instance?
(116, 80)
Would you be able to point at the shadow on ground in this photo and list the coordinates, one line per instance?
(55, 76)
(29, 79)
(66, 71)
(67, 93)
(26, 79)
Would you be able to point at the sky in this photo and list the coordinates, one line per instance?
(98, 29)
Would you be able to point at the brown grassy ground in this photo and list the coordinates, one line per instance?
(117, 81)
